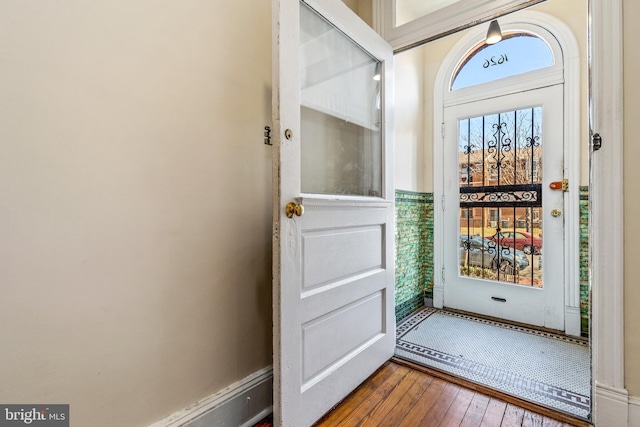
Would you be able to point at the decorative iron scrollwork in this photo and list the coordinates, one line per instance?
(496, 196)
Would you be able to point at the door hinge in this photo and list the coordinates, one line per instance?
(267, 135)
(442, 130)
(442, 201)
(596, 142)
(443, 275)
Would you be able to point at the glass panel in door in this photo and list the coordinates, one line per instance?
(341, 143)
(500, 169)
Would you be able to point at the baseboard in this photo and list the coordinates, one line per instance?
(572, 321)
(438, 296)
(634, 411)
(243, 404)
(611, 407)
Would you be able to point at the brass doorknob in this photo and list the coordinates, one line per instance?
(294, 209)
(556, 213)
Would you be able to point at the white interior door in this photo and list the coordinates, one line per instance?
(333, 289)
(504, 226)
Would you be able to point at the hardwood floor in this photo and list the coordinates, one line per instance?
(401, 396)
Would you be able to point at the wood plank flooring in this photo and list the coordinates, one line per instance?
(401, 396)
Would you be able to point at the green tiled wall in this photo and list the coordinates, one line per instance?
(414, 251)
(584, 260)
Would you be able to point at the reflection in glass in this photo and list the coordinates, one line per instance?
(341, 140)
(500, 171)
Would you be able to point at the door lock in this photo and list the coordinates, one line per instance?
(293, 209)
(556, 213)
(560, 185)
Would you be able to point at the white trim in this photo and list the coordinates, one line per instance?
(567, 56)
(572, 318)
(606, 216)
(243, 403)
(441, 22)
(378, 16)
(508, 85)
(634, 411)
(611, 406)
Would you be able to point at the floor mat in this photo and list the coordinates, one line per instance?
(537, 366)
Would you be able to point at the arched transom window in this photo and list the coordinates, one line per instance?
(517, 53)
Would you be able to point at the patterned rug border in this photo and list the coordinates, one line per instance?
(425, 312)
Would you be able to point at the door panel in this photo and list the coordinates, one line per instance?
(343, 254)
(501, 154)
(366, 317)
(334, 321)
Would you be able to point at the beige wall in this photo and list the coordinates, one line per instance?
(631, 194)
(409, 123)
(363, 8)
(134, 203)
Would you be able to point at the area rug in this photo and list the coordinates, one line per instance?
(544, 368)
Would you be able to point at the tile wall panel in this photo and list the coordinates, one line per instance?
(584, 260)
(414, 251)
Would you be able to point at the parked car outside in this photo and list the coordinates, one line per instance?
(520, 240)
(476, 251)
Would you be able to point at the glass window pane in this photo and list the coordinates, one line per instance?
(500, 160)
(515, 54)
(408, 10)
(340, 112)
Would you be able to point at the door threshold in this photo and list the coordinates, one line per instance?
(530, 406)
(517, 324)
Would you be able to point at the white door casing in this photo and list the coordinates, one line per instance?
(606, 216)
(523, 302)
(333, 266)
(566, 71)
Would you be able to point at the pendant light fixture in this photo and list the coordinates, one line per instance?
(494, 35)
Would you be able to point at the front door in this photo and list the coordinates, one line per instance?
(333, 289)
(504, 233)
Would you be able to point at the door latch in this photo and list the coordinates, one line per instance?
(560, 185)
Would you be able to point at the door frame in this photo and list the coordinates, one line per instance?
(606, 212)
(542, 307)
(566, 71)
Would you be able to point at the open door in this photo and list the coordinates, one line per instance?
(333, 236)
